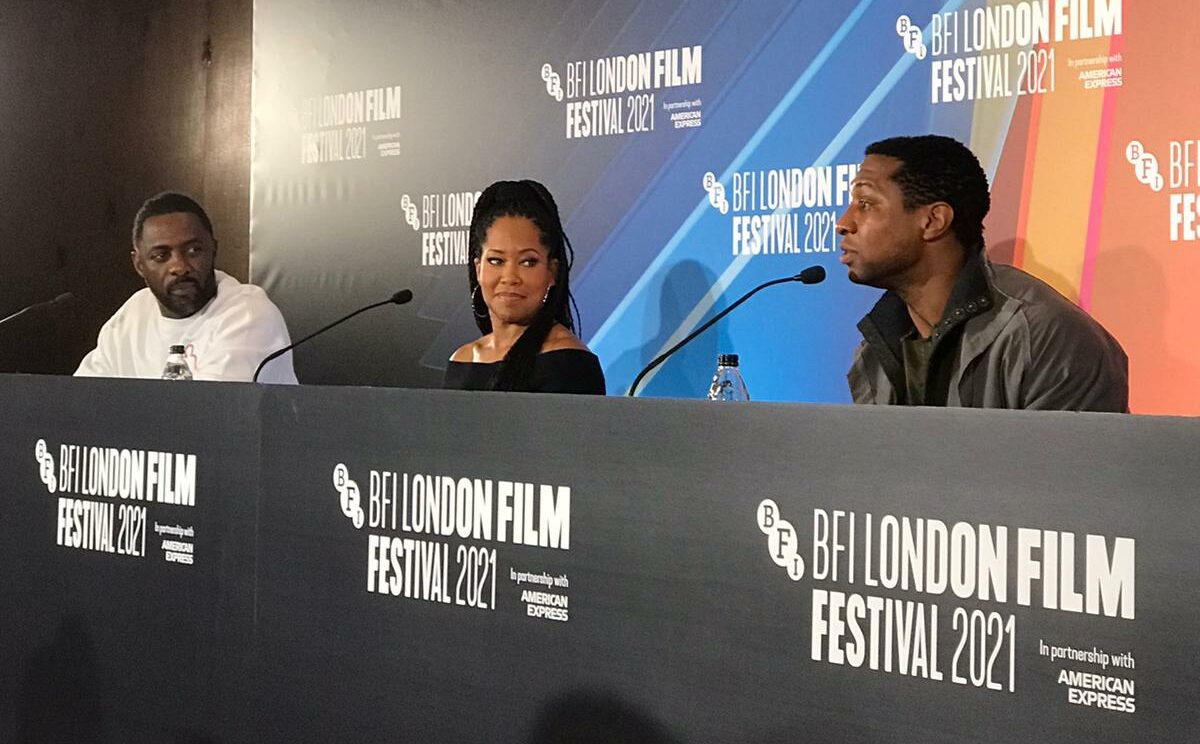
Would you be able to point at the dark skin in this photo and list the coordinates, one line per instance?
(913, 252)
(175, 257)
(515, 271)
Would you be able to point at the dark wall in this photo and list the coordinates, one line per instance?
(103, 103)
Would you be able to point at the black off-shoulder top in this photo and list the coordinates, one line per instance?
(559, 371)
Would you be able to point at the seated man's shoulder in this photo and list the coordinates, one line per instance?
(1041, 304)
(251, 296)
(1071, 362)
(140, 305)
(1052, 318)
(1028, 288)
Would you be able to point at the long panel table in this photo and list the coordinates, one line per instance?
(233, 563)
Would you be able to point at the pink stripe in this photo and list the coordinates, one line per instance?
(1092, 243)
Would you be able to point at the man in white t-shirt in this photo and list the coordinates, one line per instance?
(227, 327)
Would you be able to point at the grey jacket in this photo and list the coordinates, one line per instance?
(1010, 341)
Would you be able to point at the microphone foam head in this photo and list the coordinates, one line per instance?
(403, 296)
(812, 275)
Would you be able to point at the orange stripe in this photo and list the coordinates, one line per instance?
(1035, 112)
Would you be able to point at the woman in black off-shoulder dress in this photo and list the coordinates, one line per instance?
(518, 270)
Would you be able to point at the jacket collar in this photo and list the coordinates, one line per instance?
(971, 295)
(888, 322)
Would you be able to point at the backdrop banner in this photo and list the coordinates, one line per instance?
(434, 566)
(699, 148)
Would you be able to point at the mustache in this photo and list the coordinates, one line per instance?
(184, 280)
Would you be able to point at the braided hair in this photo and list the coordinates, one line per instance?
(531, 200)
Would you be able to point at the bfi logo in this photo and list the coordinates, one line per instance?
(783, 542)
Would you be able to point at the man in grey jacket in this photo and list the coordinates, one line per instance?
(952, 329)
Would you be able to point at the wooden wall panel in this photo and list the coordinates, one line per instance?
(102, 104)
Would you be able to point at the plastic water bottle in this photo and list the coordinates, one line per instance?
(177, 366)
(727, 383)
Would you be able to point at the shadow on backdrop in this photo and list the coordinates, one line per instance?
(596, 717)
(688, 373)
(1133, 299)
(60, 698)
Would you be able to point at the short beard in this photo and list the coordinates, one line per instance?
(886, 276)
(868, 281)
(186, 307)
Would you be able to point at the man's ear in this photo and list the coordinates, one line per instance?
(137, 262)
(939, 218)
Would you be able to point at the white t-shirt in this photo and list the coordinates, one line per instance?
(226, 340)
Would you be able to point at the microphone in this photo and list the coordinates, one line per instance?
(811, 275)
(399, 298)
(65, 296)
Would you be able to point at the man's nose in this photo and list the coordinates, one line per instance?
(178, 263)
(844, 225)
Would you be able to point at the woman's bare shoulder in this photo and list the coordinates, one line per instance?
(560, 338)
(468, 352)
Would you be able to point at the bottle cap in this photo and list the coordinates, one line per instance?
(177, 350)
(727, 360)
